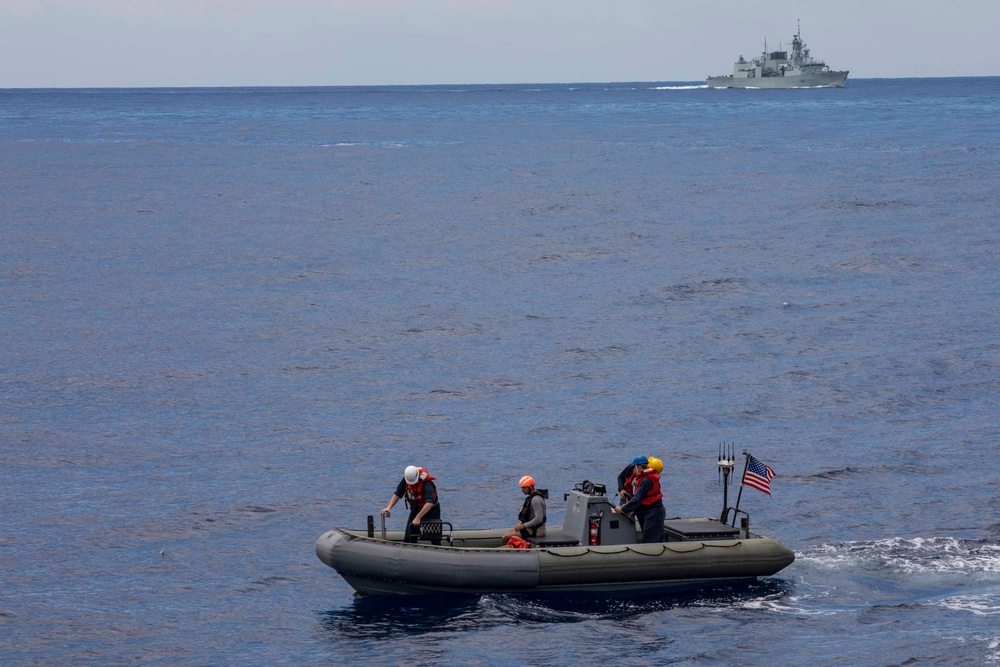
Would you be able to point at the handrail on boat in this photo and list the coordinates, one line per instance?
(434, 530)
(429, 529)
(735, 512)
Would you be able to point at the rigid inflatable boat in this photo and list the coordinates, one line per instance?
(596, 550)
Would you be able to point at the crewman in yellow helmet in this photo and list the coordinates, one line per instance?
(647, 502)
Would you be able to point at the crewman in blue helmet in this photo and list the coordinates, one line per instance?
(626, 477)
(646, 502)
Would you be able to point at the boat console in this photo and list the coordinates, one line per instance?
(590, 520)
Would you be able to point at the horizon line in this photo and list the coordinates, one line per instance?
(439, 85)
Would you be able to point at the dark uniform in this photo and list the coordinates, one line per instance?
(417, 496)
(624, 483)
(647, 503)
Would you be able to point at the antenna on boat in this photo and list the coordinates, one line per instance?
(727, 461)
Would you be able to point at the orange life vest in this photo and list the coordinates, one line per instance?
(632, 481)
(415, 492)
(654, 493)
(517, 543)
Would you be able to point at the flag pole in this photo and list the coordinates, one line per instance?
(746, 464)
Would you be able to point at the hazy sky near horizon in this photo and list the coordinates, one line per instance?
(125, 43)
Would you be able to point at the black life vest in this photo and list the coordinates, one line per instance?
(415, 492)
(525, 514)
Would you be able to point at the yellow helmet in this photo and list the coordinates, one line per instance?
(656, 464)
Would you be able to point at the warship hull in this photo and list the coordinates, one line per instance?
(818, 80)
(781, 69)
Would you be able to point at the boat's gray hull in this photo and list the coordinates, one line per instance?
(818, 80)
(374, 566)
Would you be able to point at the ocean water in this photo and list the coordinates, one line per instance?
(230, 317)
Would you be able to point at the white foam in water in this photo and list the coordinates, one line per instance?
(993, 644)
(788, 604)
(680, 87)
(981, 605)
(946, 556)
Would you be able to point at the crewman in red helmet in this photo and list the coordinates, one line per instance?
(531, 518)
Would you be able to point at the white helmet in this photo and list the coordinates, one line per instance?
(410, 474)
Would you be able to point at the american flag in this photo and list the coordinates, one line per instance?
(758, 476)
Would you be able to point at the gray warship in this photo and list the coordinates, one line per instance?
(775, 69)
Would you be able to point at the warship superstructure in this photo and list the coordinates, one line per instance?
(775, 69)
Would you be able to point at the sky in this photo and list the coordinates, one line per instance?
(154, 43)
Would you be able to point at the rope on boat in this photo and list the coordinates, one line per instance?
(704, 545)
(645, 551)
(580, 550)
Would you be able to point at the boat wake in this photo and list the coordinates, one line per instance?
(955, 574)
(939, 558)
(681, 87)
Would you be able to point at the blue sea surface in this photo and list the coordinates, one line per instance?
(231, 317)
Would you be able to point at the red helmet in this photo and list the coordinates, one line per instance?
(526, 481)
